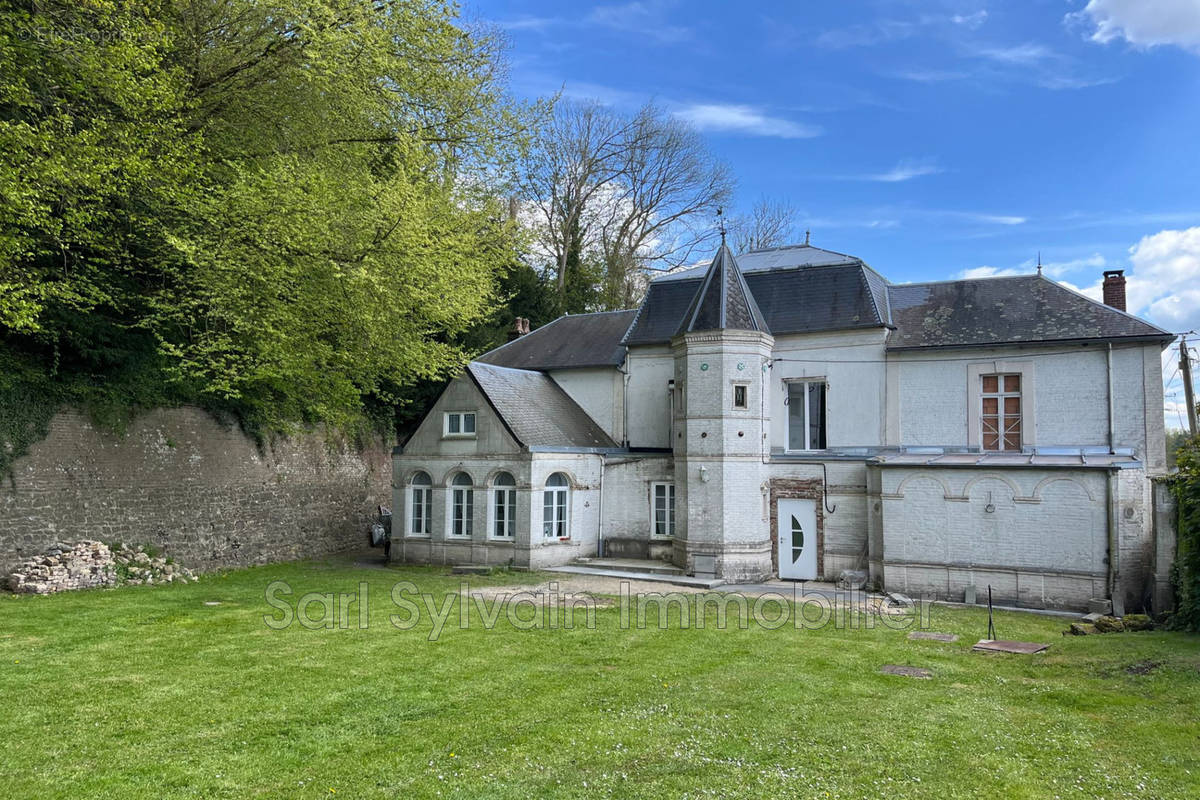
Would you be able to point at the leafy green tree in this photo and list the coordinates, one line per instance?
(286, 209)
(1185, 486)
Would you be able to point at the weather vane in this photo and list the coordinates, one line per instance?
(721, 223)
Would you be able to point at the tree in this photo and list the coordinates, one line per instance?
(613, 195)
(770, 223)
(662, 205)
(287, 208)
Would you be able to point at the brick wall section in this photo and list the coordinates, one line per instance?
(201, 492)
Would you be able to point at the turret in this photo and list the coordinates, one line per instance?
(722, 355)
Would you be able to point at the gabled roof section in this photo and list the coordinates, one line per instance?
(723, 300)
(535, 409)
(575, 340)
(1025, 308)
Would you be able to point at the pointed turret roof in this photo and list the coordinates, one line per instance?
(723, 300)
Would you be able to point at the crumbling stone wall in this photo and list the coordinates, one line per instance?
(192, 488)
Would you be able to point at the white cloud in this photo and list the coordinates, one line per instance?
(643, 18)
(993, 219)
(928, 75)
(746, 119)
(1143, 23)
(893, 30)
(1164, 281)
(971, 21)
(1022, 54)
(906, 170)
(1037, 64)
(989, 272)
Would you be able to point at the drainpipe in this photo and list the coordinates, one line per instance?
(624, 402)
(1114, 547)
(600, 511)
(1112, 422)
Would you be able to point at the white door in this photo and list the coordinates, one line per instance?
(797, 539)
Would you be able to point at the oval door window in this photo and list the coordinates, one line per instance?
(797, 539)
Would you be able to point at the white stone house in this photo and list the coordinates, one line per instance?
(792, 413)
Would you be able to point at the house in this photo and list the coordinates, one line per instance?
(792, 413)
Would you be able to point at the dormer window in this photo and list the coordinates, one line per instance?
(459, 424)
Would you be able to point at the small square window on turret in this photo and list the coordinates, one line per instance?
(740, 396)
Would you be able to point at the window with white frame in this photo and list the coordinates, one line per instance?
(462, 506)
(554, 507)
(662, 499)
(504, 506)
(1000, 417)
(421, 501)
(806, 415)
(459, 423)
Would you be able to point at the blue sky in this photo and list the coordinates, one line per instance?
(935, 139)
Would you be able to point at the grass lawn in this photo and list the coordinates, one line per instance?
(148, 692)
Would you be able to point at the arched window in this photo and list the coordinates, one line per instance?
(420, 505)
(462, 506)
(504, 506)
(554, 507)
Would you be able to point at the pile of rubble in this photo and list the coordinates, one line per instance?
(88, 564)
(1104, 623)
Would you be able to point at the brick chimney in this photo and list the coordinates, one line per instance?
(1114, 288)
(520, 328)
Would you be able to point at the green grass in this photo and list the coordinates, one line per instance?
(147, 692)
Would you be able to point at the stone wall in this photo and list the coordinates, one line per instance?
(196, 490)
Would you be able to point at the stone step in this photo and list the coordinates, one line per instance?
(631, 575)
(630, 565)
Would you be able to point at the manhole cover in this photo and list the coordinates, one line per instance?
(933, 637)
(1004, 646)
(905, 672)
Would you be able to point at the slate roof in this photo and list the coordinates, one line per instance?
(804, 289)
(1025, 308)
(723, 300)
(576, 340)
(799, 289)
(535, 409)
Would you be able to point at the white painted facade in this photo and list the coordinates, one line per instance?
(900, 486)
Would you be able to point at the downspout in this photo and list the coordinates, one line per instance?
(824, 467)
(1112, 423)
(1114, 547)
(624, 402)
(600, 511)
(1113, 498)
(1114, 544)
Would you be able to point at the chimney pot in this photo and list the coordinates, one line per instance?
(520, 328)
(1114, 288)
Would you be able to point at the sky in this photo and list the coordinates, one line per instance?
(935, 139)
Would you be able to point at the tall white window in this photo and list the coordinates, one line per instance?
(462, 506)
(663, 508)
(504, 506)
(459, 423)
(806, 415)
(421, 501)
(1001, 417)
(554, 507)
